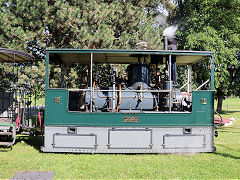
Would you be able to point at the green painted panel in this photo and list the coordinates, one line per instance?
(57, 113)
(203, 106)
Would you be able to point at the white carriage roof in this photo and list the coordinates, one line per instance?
(123, 56)
(10, 55)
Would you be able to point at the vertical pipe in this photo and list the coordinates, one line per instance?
(13, 69)
(174, 70)
(212, 72)
(114, 89)
(17, 73)
(91, 80)
(170, 83)
(14, 85)
(46, 85)
(188, 79)
(36, 105)
(189, 89)
(165, 43)
(47, 71)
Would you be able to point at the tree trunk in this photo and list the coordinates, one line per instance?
(219, 105)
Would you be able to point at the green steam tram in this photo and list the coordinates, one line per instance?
(134, 106)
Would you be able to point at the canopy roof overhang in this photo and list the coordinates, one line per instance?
(123, 56)
(14, 56)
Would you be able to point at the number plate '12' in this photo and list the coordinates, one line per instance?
(203, 101)
(56, 100)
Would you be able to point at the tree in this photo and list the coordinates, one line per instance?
(78, 24)
(37, 25)
(213, 26)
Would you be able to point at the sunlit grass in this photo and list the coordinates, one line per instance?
(223, 164)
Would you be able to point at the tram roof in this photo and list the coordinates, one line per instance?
(124, 56)
(10, 55)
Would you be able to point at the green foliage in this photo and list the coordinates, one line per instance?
(79, 24)
(213, 26)
(5, 71)
(37, 25)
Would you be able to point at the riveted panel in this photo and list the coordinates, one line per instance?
(82, 141)
(130, 139)
(183, 141)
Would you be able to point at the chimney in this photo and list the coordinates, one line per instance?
(169, 38)
(170, 43)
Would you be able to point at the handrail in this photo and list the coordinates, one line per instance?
(219, 115)
(202, 85)
(130, 90)
(183, 86)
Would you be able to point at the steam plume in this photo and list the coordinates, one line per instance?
(170, 31)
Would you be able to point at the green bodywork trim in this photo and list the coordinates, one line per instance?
(133, 51)
(47, 71)
(123, 56)
(57, 114)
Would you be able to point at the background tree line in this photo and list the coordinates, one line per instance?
(33, 26)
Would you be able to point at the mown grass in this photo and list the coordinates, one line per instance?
(223, 164)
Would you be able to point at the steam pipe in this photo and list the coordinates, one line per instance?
(165, 43)
(93, 90)
(103, 96)
(119, 97)
(174, 69)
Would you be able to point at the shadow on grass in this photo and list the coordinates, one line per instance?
(227, 112)
(227, 155)
(227, 147)
(228, 129)
(34, 141)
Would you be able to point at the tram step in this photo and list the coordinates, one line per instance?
(5, 143)
(6, 133)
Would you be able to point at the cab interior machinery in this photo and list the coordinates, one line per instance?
(130, 82)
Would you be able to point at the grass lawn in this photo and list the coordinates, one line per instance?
(223, 164)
